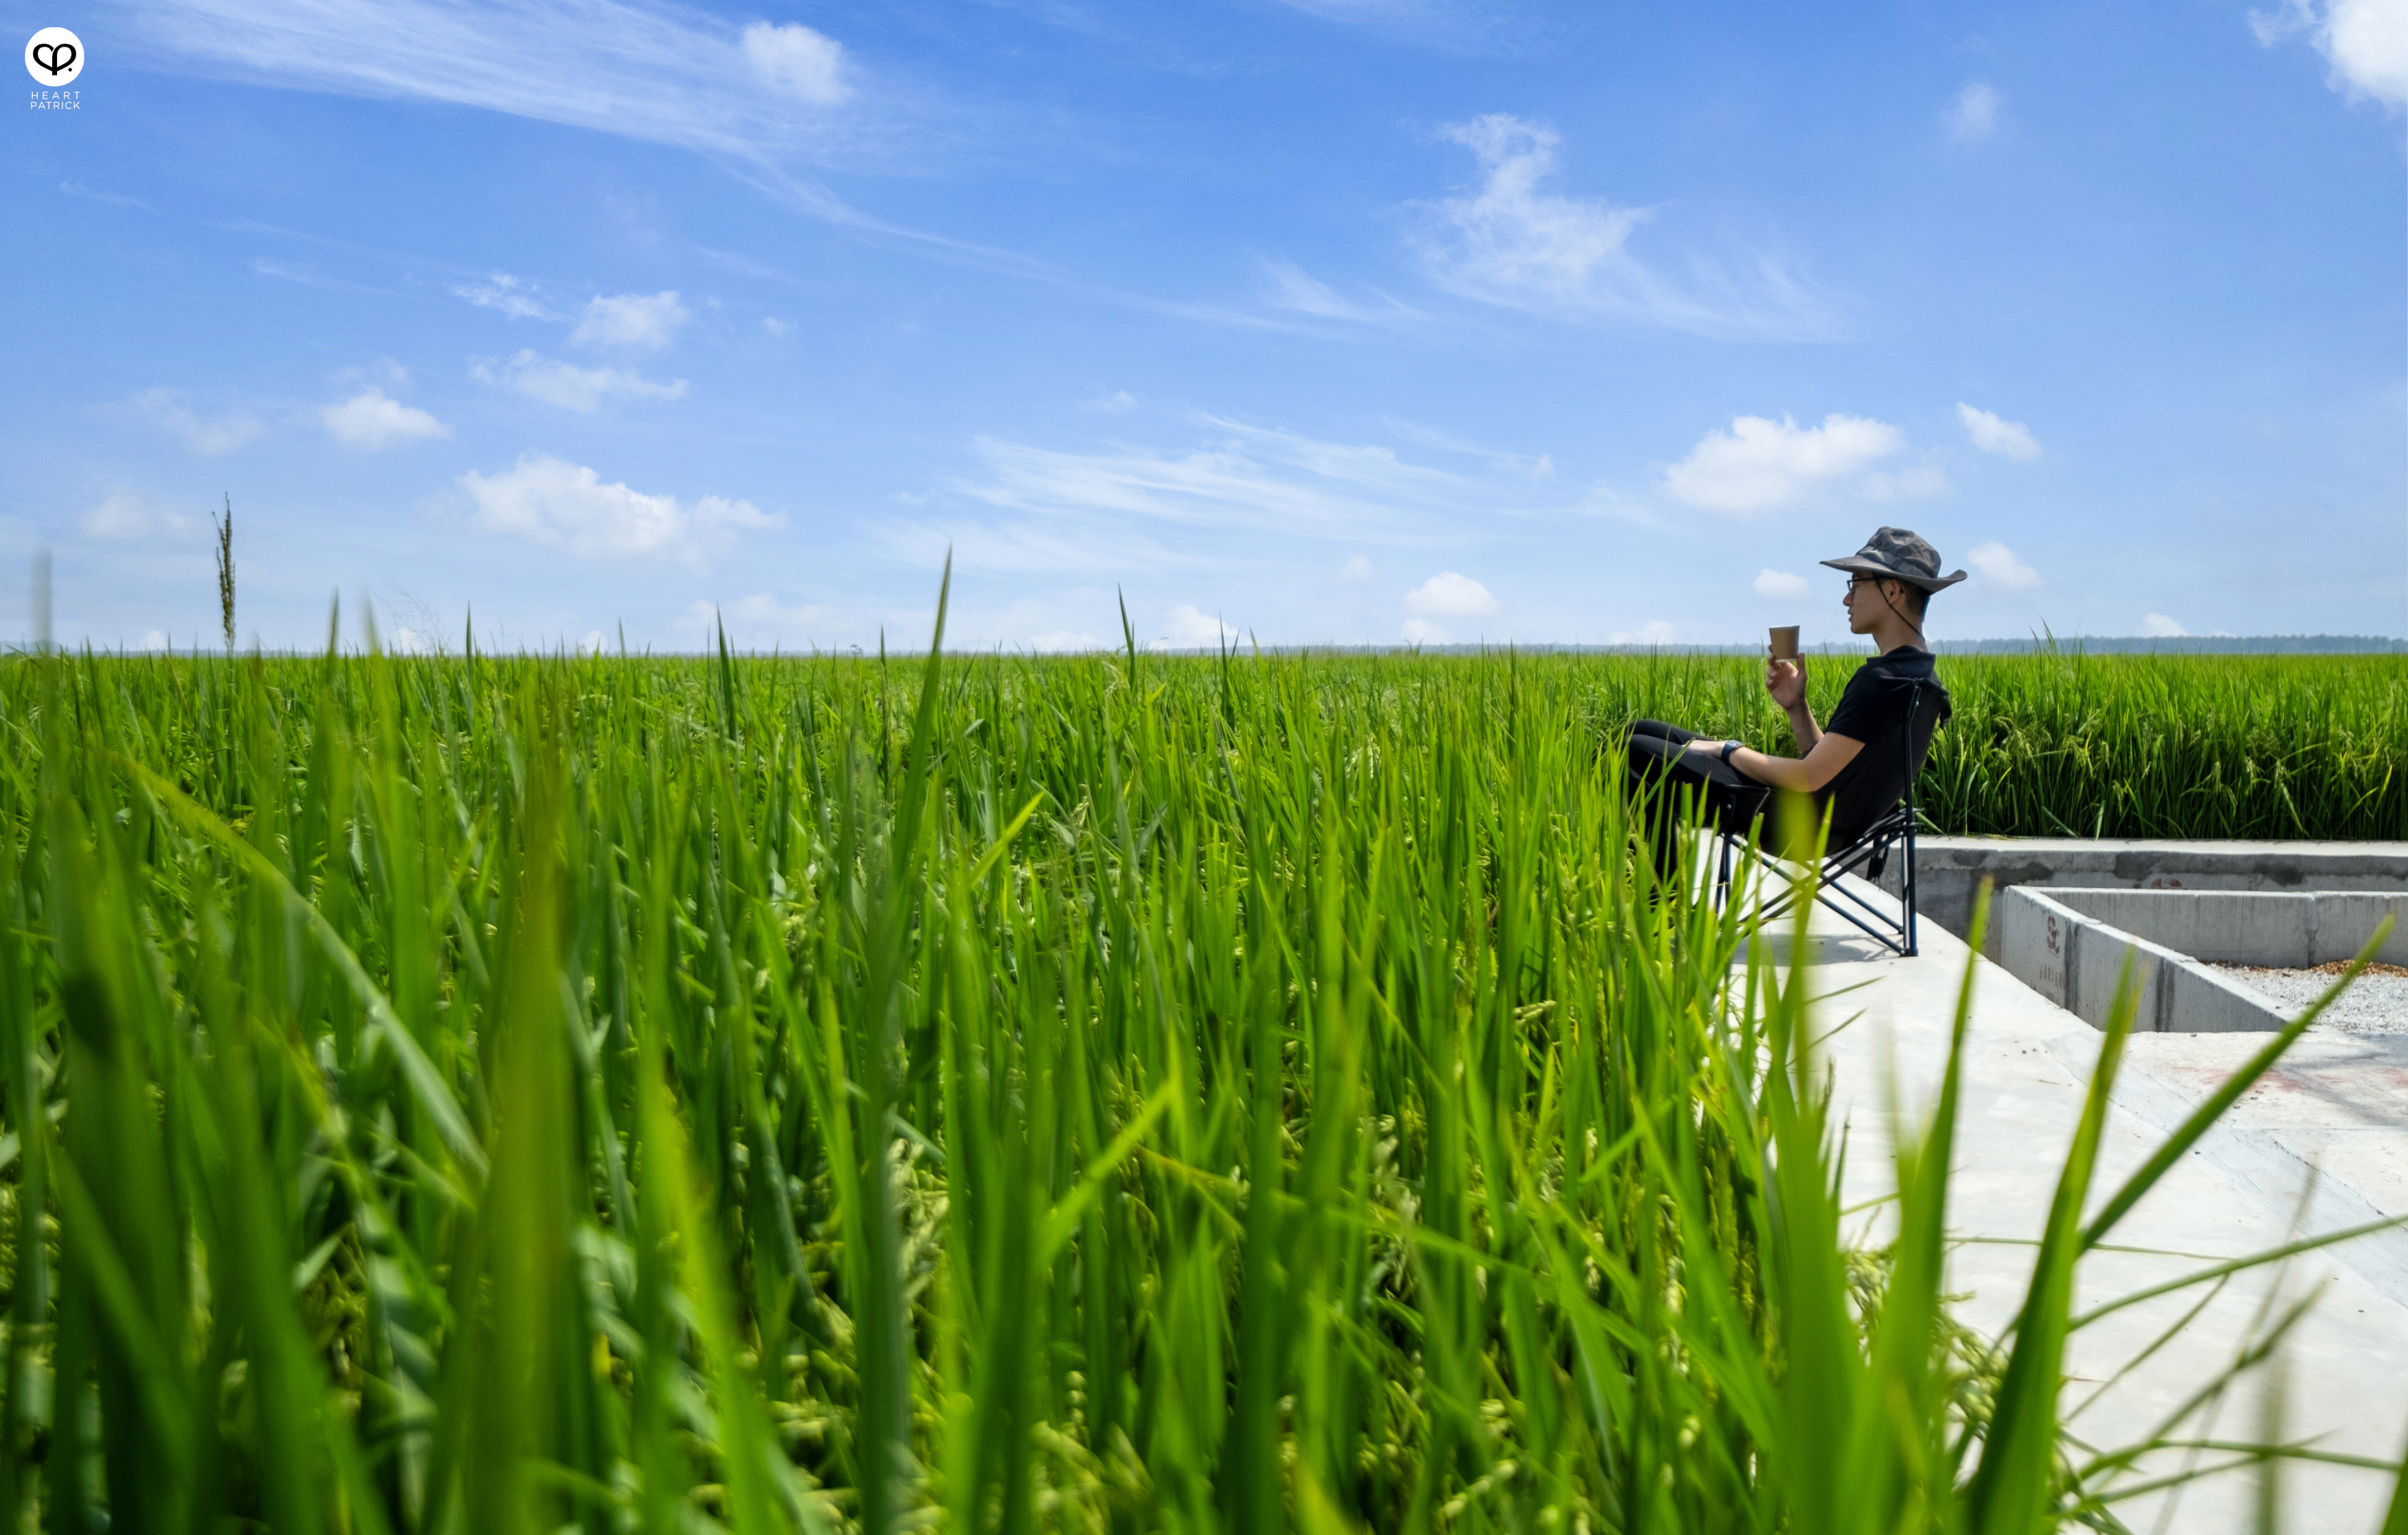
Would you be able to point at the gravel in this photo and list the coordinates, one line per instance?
(2376, 1003)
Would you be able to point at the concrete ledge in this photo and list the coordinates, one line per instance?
(2252, 928)
(1947, 868)
(2076, 961)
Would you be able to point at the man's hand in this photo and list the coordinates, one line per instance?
(1786, 681)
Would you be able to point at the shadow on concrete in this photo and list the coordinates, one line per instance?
(1783, 948)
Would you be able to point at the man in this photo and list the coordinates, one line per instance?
(1890, 582)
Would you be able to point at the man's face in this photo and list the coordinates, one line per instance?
(1864, 604)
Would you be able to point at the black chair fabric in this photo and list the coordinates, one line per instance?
(1874, 783)
(1870, 803)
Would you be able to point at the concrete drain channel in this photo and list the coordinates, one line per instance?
(2191, 952)
(2222, 937)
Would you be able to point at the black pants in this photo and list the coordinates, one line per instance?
(1671, 780)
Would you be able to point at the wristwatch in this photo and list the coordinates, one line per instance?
(1728, 747)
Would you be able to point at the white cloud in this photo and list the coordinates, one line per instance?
(1779, 586)
(631, 320)
(1653, 632)
(797, 61)
(1358, 567)
(1421, 631)
(2365, 41)
(156, 640)
(774, 328)
(2159, 627)
(1999, 565)
(1064, 642)
(1972, 114)
(1761, 464)
(206, 434)
(2007, 438)
(570, 387)
(1514, 245)
(1188, 627)
(504, 293)
(1120, 402)
(1451, 596)
(372, 420)
(126, 515)
(546, 501)
(759, 622)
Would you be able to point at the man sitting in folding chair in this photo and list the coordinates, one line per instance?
(1861, 768)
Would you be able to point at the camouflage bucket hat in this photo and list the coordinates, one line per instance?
(1896, 554)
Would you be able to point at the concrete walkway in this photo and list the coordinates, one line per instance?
(2336, 1102)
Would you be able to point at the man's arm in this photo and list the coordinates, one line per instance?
(1804, 774)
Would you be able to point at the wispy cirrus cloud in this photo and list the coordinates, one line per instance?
(1515, 244)
(1291, 288)
(1122, 505)
(1454, 25)
(208, 435)
(76, 189)
(766, 95)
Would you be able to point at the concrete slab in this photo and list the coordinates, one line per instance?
(1947, 868)
(2341, 1105)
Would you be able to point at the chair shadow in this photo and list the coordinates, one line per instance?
(1782, 947)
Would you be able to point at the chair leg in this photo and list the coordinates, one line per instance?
(1906, 891)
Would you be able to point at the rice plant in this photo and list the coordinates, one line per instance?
(517, 1092)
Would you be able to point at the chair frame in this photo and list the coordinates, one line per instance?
(1868, 853)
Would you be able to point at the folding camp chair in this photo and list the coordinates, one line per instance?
(1872, 808)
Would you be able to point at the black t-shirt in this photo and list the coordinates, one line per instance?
(1874, 703)
(1877, 696)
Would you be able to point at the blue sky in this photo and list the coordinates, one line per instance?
(1351, 321)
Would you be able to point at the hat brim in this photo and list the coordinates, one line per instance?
(1860, 565)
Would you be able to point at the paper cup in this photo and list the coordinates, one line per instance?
(1784, 643)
